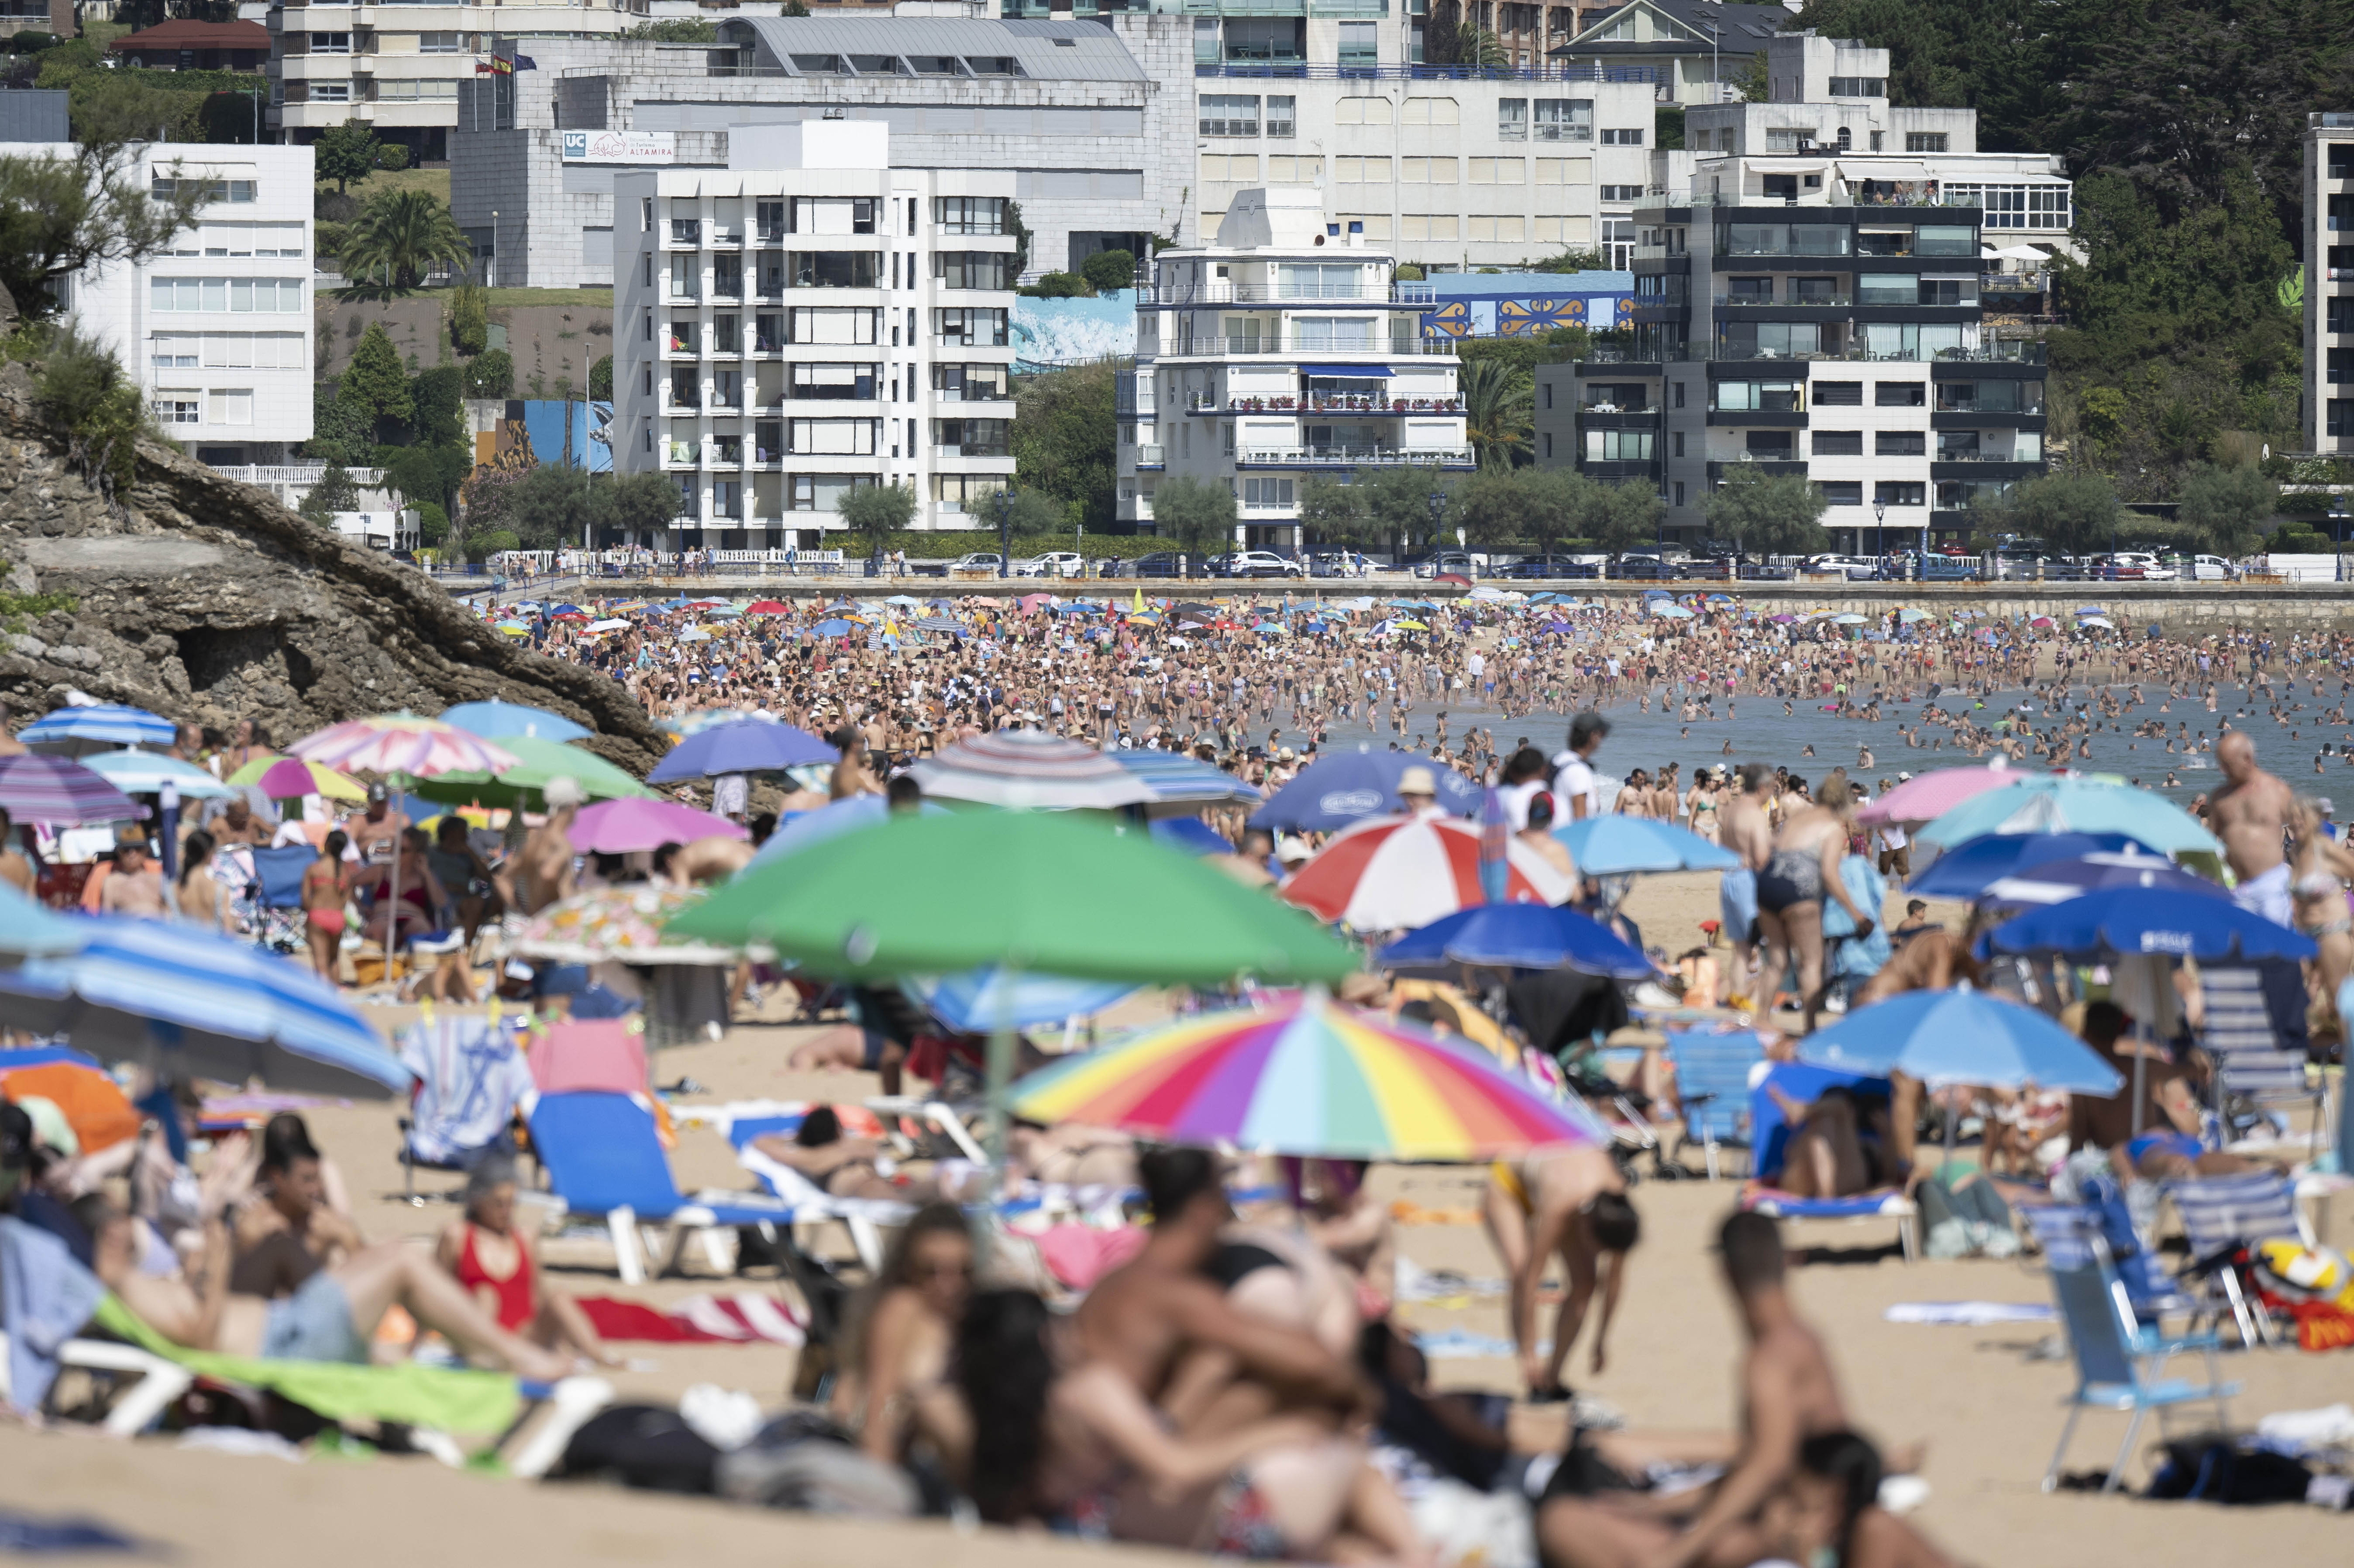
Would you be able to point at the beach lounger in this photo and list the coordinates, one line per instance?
(1768, 1133)
(604, 1160)
(2219, 1215)
(1713, 1086)
(2118, 1362)
(151, 1382)
(863, 1217)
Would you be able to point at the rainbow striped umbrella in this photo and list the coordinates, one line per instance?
(1307, 1077)
(403, 744)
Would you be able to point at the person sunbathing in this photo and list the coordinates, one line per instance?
(1843, 1143)
(1568, 1203)
(494, 1261)
(2168, 1145)
(332, 1318)
(842, 1166)
(1062, 1438)
(1069, 1156)
(901, 1330)
(1598, 1512)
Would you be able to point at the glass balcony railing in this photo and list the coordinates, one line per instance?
(1317, 457)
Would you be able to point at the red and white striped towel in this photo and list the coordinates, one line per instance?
(738, 1317)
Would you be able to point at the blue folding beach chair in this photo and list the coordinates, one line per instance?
(1769, 1133)
(1713, 1086)
(2062, 1230)
(2117, 1361)
(2221, 1214)
(278, 895)
(604, 1160)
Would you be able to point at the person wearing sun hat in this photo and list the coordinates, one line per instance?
(1417, 792)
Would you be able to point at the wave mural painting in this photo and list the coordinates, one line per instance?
(1050, 333)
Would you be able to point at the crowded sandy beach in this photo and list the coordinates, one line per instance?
(1502, 1079)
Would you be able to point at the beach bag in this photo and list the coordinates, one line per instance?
(2289, 1271)
(646, 1447)
(2210, 1469)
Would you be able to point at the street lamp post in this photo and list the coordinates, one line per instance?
(1880, 528)
(1924, 541)
(1004, 503)
(1438, 511)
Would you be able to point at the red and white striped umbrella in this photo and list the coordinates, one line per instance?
(1396, 873)
(404, 744)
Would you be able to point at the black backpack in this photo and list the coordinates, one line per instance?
(2210, 1468)
(648, 1446)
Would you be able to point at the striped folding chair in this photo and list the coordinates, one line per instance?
(2239, 1038)
(2219, 1215)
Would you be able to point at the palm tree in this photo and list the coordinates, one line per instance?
(401, 236)
(1496, 402)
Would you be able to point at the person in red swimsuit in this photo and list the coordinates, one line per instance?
(493, 1261)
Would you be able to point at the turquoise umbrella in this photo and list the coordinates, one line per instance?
(2073, 803)
(27, 931)
(147, 773)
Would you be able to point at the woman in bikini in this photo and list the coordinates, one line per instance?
(894, 1356)
(493, 1261)
(1702, 803)
(1072, 1445)
(1791, 889)
(2319, 869)
(324, 891)
(841, 1166)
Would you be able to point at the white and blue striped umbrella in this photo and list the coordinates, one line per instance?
(73, 732)
(147, 773)
(193, 1005)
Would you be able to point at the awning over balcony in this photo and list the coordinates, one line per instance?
(1855, 172)
(1349, 372)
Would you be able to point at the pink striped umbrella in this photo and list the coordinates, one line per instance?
(1932, 795)
(61, 793)
(403, 744)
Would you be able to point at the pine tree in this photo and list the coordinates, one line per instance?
(374, 385)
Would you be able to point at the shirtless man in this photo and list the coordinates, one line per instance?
(541, 872)
(1569, 1203)
(136, 887)
(1744, 828)
(237, 824)
(377, 829)
(1788, 1394)
(2251, 814)
(1143, 1316)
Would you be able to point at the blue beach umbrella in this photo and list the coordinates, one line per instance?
(147, 773)
(2056, 881)
(1960, 1036)
(845, 816)
(1182, 784)
(1521, 937)
(503, 721)
(1966, 870)
(985, 998)
(2122, 921)
(1619, 846)
(1190, 835)
(27, 928)
(195, 1004)
(103, 727)
(1346, 787)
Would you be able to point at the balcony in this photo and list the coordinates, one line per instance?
(678, 454)
(681, 403)
(1354, 457)
(771, 233)
(687, 232)
(1774, 465)
(1209, 346)
(1752, 302)
(1323, 403)
(727, 453)
(1154, 455)
(1421, 296)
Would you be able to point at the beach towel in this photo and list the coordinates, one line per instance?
(1969, 1314)
(440, 1399)
(22, 1535)
(1079, 1255)
(470, 1078)
(46, 1296)
(740, 1317)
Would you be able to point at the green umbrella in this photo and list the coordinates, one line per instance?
(541, 761)
(1048, 892)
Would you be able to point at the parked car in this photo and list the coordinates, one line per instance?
(1053, 564)
(1650, 569)
(1554, 566)
(1942, 567)
(1161, 564)
(2119, 568)
(1441, 563)
(2152, 568)
(2212, 569)
(1854, 568)
(1113, 567)
(978, 561)
(1338, 564)
(1253, 564)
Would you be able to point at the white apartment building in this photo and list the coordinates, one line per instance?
(1811, 305)
(1448, 168)
(1281, 350)
(2329, 286)
(217, 332)
(808, 320)
(396, 65)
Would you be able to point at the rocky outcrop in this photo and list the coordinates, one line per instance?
(208, 601)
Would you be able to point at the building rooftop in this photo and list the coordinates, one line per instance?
(197, 35)
(859, 46)
(1682, 25)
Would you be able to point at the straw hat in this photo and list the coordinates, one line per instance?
(1418, 781)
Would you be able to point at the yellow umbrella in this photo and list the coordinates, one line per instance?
(324, 780)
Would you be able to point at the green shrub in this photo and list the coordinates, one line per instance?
(491, 373)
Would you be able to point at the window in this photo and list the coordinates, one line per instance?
(2339, 417)
(1427, 171)
(1565, 120)
(1949, 291)
(2342, 366)
(1229, 115)
(1622, 138)
(974, 438)
(848, 438)
(1618, 446)
(1512, 120)
(414, 91)
(1887, 288)
(1429, 111)
(969, 214)
(969, 328)
(1865, 87)
(1622, 193)
(1498, 171)
(1761, 396)
(177, 408)
(832, 383)
(1283, 116)
(972, 383)
(1838, 443)
(1841, 492)
(2342, 312)
(1899, 394)
(832, 268)
(1680, 492)
(165, 189)
(172, 351)
(1268, 495)
(436, 43)
(1359, 47)
(1925, 141)
(230, 406)
(962, 491)
(686, 279)
(1361, 171)
(1362, 111)
(1944, 240)
(331, 93)
(1839, 394)
(828, 215)
(1900, 492)
(330, 42)
(224, 294)
(1900, 443)
(2047, 206)
(727, 276)
(823, 325)
(1770, 446)
(973, 268)
(1286, 170)
(1680, 443)
(1679, 400)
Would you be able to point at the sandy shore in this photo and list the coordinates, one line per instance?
(1988, 1413)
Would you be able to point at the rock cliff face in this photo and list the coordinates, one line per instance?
(208, 602)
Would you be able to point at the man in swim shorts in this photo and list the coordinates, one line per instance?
(1743, 828)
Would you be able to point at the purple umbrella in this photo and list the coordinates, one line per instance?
(617, 827)
(1555, 627)
(60, 793)
(752, 745)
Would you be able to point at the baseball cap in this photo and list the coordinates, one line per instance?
(1903, 777)
(1291, 848)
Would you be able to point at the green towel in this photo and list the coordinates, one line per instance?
(439, 1398)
